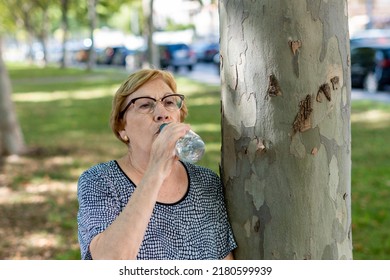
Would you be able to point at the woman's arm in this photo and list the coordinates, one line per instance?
(123, 238)
(229, 257)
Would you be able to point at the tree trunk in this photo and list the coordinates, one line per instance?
(44, 33)
(92, 26)
(152, 51)
(11, 137)
(286, 151)
(64, 27)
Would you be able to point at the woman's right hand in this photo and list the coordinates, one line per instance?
(163, 154)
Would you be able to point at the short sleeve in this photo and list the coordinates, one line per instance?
(98, 208)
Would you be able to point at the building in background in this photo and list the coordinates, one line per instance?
(204, 18)
(368, 14)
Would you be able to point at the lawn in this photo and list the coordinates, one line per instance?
(64, 118)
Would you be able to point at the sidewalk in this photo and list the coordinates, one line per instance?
(358, 94)
(208, 73)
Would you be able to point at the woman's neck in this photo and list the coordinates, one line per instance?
(137, 163)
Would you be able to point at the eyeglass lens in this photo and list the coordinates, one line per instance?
(147, 104)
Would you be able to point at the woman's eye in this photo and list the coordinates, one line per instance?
(169, 102)
(145, 105)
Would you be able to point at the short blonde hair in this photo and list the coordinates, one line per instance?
(129, 86)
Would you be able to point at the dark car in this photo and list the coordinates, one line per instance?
(370, 67)
(176, 56)
(121, 56)
(206, 51)
(112, 55)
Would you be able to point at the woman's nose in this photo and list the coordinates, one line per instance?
(160, 113)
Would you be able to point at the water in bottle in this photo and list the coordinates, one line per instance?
(190, 147)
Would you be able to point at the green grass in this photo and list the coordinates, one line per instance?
(64, 117)
(371, 180)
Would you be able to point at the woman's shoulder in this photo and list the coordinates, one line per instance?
(200, 172)
(98, 177)
(100, 170)
(198, 168)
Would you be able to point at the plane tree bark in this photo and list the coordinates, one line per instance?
(286, 139)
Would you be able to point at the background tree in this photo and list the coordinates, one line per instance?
(11, 137)
(18, 12)
(286, 127)
(40, 18)
(42, 24)
(36, 17)
(97, 10)
(152, 51)
(92, 16)
(65, 30)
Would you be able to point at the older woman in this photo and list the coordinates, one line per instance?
(148, 204)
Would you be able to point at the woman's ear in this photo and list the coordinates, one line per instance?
(123, 135)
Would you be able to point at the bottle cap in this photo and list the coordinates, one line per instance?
(162, 126)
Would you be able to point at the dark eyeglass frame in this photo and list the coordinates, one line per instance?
(181, 96)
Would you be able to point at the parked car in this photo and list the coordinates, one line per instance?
(82, 55)
(127, 57)
(371, 37)
(176, 56)
(121, 56)
(370, 67)
(109, 53)
(206, 51)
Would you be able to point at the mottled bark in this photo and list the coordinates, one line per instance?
(286, 127)
(11, 137)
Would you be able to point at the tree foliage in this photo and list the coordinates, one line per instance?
(31, 16)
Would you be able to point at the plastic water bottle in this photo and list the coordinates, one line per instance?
(190, 147)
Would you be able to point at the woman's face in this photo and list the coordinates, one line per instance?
(142, 129)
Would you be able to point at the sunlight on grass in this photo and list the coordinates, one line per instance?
(213, 147)
(209, 127)
(63, 95)
(371, 116)
(54, 187)
(41, 240)
(187, 88)
(204, 101)
(60, 160)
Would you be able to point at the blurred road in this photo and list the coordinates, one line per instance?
(208, 73)
(383, 96)
(203, 72)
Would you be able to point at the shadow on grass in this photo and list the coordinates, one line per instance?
(39, 224)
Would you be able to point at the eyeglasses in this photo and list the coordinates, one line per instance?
(146, 105)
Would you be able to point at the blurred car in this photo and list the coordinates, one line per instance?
(206, 51)
(112, 55)
(82, 55)
(371, 37)
(370, 67)
(176, 56)
(121, 56)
